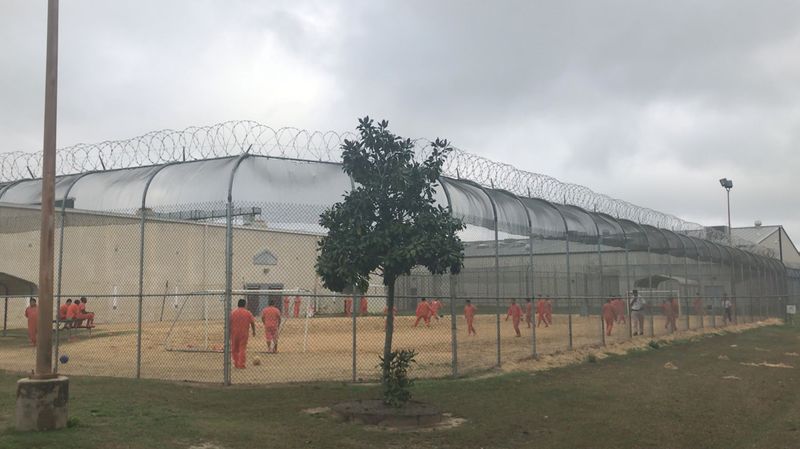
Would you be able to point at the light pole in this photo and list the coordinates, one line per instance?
(727, 184)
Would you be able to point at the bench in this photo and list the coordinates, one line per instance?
(69, 324)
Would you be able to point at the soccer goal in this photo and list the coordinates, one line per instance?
(198, 323)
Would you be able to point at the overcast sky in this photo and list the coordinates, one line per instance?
(651, 102)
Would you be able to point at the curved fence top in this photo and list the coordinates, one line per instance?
(291, 165)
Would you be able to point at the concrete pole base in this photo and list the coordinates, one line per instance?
(42, 403)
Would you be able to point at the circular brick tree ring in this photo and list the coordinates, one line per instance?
(375, 412)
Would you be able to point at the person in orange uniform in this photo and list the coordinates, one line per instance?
(609, 315)
(297, 302)
(241, 320)
(619, 309)
(32, 314)
(363, 306)
(423, 312)
(515, 313)
(286, 306)
(83, 314)
(72, 314)
(548, 312)
(528, 312)
(469, 315)
(62, 310)
(541, 308)
(435, 306)
(271, 317)
(348, 306)
(386, 314)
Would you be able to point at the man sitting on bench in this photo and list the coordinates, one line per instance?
(72, 314)
(83, 314)
(63, 311)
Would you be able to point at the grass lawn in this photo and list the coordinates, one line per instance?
(630, 401)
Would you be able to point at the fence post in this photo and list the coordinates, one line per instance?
(453, 327)
(5, 315)
(141, 289)
(569, 316)
(602, 325)
(226, 351)
(353, 311)
(226, 364)
(688, 312)
(713, 314)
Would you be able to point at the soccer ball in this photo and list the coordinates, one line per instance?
(256, 361)
(64, 358)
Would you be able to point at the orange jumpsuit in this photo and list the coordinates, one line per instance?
(82, 315)
(423, 313)
(362, 306)
(62, 312)
(528, 313)
(286, 306)
(241, 320)
(271, 317)
(548, 312)
(469, 315)
(31, 313)
(348, 306)
(72, 313)
(515, 312)
(541, 310)
(619, 309)
(435, 305)
(609, 315)
(297, 302)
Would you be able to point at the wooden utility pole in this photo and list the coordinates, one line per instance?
(44, 343)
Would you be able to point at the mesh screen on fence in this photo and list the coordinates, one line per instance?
(163, 281)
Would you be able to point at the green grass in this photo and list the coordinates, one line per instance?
(615, 402)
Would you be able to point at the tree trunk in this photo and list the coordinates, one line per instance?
(387, 345)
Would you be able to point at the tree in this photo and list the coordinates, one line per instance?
(389, 222)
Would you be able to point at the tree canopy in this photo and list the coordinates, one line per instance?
(389, 222)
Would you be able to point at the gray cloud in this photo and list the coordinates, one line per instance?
(651, 102)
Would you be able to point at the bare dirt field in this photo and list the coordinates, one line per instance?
(324, 352)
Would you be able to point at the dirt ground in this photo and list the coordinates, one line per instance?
(320, 348)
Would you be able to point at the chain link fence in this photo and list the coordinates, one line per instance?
(163, 282)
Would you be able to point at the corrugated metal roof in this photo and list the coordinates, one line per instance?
(754, 234)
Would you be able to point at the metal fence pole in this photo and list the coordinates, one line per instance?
(453, 327)
(569, 296)
(5, 315)
(354, 353)
(141, 290)
(56, 361)
(496, 278)
(649, 308)
(226, 364)
(531, 296)
(713, 314)
(602, 325)
(628, 288)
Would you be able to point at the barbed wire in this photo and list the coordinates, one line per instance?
(235, 137)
